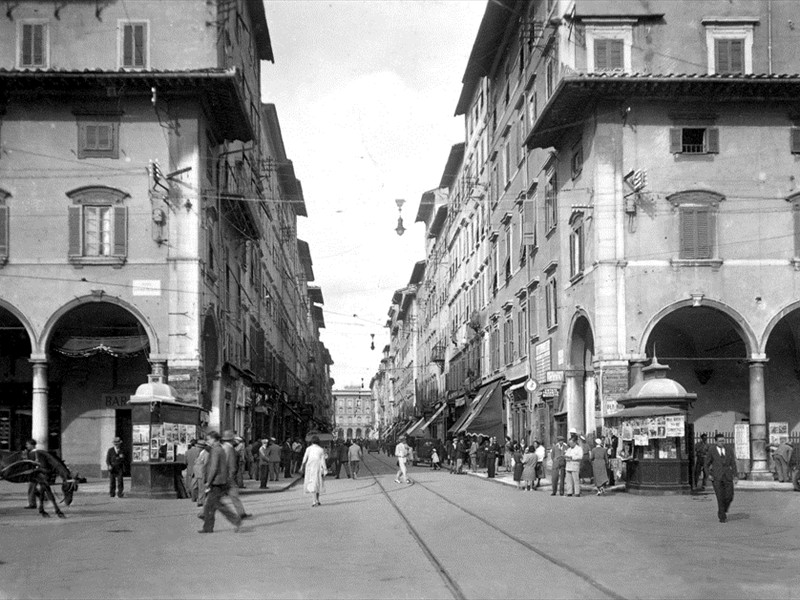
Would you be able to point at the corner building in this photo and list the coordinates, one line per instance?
(147, 225)
(634, 166)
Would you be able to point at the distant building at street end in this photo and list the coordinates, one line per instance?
(353, 413)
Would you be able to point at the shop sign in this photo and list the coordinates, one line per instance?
(180, 377)
(550, 392)
(554, 376)
(146, 287)
(541, 357)
(116, 400)
(741, 438)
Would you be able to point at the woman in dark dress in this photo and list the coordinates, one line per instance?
(516, 458)
(491, 457)
(599, 456)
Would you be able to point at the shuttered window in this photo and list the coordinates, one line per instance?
(729, 56)
(3, 233)
(551, 301)
(33, 45)
(98, 136)
(529, 222)
(551, 203)
(97, 227)
(694, 140)
(697, 232)
(795, 140)
(134, 46)
(609, 55)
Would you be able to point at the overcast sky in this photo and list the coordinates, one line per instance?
(365, 94)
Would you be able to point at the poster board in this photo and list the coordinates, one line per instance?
(741, 439)
(778, 432)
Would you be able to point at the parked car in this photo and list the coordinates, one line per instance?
(373, 446)
(422, 450)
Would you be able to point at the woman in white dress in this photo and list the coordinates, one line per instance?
(313, 468)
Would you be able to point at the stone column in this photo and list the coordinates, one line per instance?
(758, 422)
(589, 396)
(40, 427)
(573, 390)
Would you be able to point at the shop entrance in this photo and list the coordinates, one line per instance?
(124, 430)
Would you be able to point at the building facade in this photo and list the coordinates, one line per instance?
(627, 188)
(147, 225)
(353, 414)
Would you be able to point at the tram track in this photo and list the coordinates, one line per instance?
(446, 576)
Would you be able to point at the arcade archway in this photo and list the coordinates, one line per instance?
(15, 382)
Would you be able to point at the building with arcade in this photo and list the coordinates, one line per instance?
(148, 226)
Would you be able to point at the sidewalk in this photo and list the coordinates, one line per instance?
(743, 484)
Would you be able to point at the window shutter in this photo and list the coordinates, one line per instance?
(795, 140)
(705, 242)
(3, 234)
(688, 226)
(120, 231)
(600, 55)
(529, 222)
(127, 45)
(796, 215)
(736, 56)
(675, 139)
(615, 57)
(74, 222)
(502, 253)
(712, 140)
(721, 56)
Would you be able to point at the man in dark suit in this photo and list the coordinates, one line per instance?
(115, 461)
(721, 466)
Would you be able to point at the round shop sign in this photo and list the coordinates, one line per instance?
(531, 385)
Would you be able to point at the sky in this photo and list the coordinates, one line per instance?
(366, 93)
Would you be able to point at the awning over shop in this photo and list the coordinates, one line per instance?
(486, 416)
(415, 427)
(488, 392)
(647, 411)
(435, 415)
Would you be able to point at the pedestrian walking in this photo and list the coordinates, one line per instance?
(508, 452)
(700, 453)
(528, 468)
(354, 454)
(190, 457)
(115, 461)
(782, 457)
(599, 456)
(402, 451)
(297, 455)
(721, 467)
(286, 458)
(197, 489)
(313, 468)
(574, 457)
(473, 454)
(435, 459)
(518, 466)
(343, 457)
(274, 459)
(29, 453)
(493, 457)
(232, 460)
(263, 463)
(241, 460)
(559, 460)
(216, 486)
(252, 459)
(540, 454)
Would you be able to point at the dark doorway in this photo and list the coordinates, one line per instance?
(124, 431)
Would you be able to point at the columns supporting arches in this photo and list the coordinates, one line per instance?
(758, 421)
(39, 413)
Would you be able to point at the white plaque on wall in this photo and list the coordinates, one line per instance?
(146, 287)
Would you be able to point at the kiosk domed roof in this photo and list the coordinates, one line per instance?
(656, 388)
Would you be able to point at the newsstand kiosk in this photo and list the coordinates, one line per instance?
(162, 428)
(654, 423)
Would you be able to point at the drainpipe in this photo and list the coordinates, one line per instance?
(769, 37)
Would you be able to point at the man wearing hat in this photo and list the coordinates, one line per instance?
(559, 458)
(115, 461)
(274, 459)
(721, 466)
(232, 460)
(402, 452)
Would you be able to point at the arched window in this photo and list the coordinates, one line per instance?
(98, 226)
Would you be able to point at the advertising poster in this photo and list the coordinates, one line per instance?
(741, 440)
(156, 431)
(137, 453)
(627, 431)
(191, 432)
(170, 453)
(778, 432)
(674, 426)
(141, 434)
(154, 452)
(182, 439)
(641, 440)
(652, 427)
